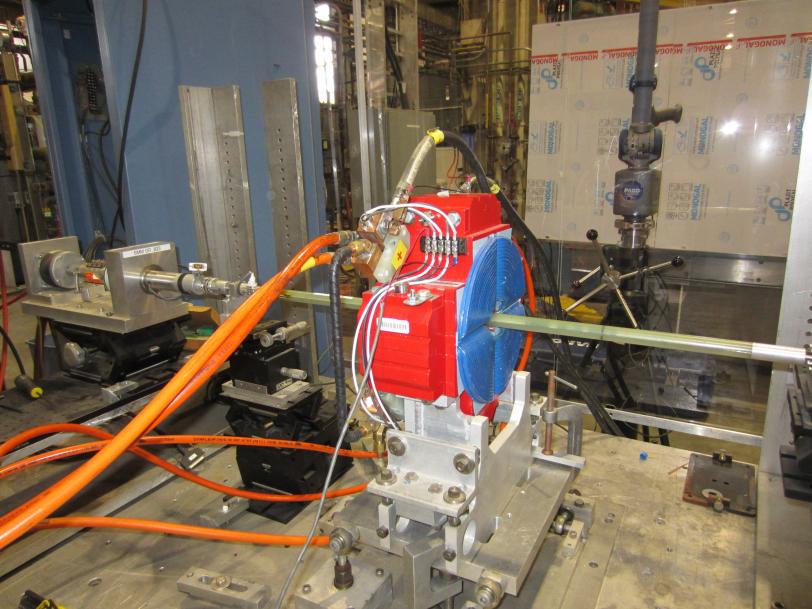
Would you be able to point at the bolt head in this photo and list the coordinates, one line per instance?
(454, 494)
(579, 502)
(306, 589)
(396, 446)
(382, 532)
(463, 463)
(379, 572)
(386, 477)
(449, 555)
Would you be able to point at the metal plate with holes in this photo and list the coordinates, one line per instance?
(281, 400)
(655, 551)
(733, 482)
(223, 590)
(218, 178)
(284, 148)
(372, 588)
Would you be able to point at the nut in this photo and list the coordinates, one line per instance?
(396, 446)
(454, 494)
(386, 477)
(488, 593)
(463, 463)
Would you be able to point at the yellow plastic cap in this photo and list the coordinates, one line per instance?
(437, 135)
(309, 264)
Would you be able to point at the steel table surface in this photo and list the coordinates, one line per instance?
(647, 548)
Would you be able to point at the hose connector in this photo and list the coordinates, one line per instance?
(346, 236)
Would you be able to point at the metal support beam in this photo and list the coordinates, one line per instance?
(687, 427)
(288, 205)
(218, 179)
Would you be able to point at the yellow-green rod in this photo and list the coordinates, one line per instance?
(647, 338)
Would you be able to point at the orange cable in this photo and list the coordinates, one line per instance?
(531, 303)
(95, 432)
(178, 530)
(194, 373)
(81, 449)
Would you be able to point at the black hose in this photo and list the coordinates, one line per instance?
(14, 351)
(341, 256)
(398, 73)
(119, 216)
(455, 141)
(536, 253)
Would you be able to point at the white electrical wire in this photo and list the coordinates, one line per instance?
(327, 482)
(417, 278)
(378, 296)
(369, 352)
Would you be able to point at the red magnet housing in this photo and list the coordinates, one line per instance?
(417, 348)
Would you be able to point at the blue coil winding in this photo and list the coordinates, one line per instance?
(487, 357)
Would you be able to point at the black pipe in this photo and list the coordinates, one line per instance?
(644, 78)
(393, 59)
(7, 339)
(455, 141)
(341, 256)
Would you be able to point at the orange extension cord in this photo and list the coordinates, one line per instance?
(80, 449)
(200, 367)
(531, 303)
(180, 530)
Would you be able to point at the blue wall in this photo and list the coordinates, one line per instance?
(63, 36)
(189, 42)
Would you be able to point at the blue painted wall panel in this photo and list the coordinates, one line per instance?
(206, 43)
(63, 36)
(188, 42)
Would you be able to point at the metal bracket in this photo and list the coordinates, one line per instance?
(223, 589)
(371, 589)
(423, 588)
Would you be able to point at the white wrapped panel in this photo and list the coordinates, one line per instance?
(741, 72)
